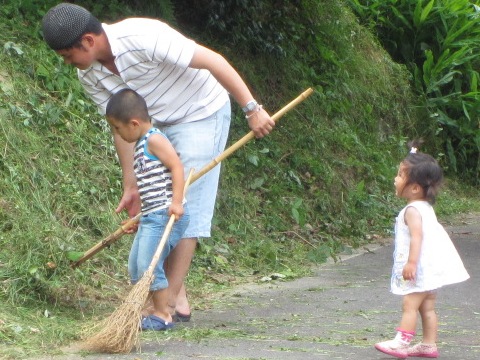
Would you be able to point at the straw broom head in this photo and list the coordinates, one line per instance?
(119, 333)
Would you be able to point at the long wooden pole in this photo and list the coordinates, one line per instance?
(110, 239)
(251, 135)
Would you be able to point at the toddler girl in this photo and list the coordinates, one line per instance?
(425, 258)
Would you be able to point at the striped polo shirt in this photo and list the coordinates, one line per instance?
(154, 180)
(152, 59)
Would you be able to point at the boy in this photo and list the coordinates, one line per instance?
(160, 180)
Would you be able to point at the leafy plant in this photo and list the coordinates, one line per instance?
(440, 44)
(267, 29)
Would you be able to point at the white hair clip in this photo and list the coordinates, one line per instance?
(413, 150)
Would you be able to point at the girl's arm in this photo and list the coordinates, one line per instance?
(413, 219)
(159, 146)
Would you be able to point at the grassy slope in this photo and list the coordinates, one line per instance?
(321, 183)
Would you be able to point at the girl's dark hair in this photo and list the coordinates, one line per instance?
(424, 170)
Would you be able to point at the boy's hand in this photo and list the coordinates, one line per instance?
(131, 202)
(409, 271)
(176, 209)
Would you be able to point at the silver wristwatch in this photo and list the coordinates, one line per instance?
(250, 106)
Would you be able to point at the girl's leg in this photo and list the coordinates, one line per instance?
(429, 319)
(427, 348)
(398, 347)
(410, 307)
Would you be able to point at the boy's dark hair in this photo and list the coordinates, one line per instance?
(64, 25)
(127, 104)
(424, 170)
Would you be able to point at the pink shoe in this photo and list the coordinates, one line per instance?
(423, 350)
(393, 348)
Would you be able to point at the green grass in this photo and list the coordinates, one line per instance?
(23, 331)
(319, 185)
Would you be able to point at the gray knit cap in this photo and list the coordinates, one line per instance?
(65, 24)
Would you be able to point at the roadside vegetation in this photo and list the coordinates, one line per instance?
(321, 185)
(439, 42)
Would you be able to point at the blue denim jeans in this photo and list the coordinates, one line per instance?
(198, 143)
(150, 231)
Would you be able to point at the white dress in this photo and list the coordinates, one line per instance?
(439, 262)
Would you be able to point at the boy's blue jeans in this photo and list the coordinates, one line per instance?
(146, 241)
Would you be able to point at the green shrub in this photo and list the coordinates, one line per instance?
(439, 41)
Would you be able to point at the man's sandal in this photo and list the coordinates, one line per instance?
(179, 317)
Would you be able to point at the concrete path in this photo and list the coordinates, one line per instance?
(337, 314)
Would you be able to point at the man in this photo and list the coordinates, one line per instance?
(186, 88)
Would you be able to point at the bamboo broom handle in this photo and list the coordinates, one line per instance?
(108, 240)
(121, 230)
(117, 234)
(250, 135)
(168, 229)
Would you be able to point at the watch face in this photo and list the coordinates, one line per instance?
(251, 105)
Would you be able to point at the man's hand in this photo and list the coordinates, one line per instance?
(260, 123)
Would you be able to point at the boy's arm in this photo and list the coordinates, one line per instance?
(159, 146)
(413, 219)
(130, 200)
